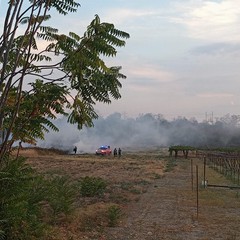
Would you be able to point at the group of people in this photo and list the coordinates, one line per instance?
(117, 152)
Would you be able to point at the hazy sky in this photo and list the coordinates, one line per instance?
(183, 57)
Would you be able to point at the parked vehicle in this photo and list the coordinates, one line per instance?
(104, 150)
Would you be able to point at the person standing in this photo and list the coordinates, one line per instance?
(115, 152)
(119, 152)
(75, 149)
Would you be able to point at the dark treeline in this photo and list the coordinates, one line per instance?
(146, 131)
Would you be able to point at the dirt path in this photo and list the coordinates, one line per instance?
(168, 211)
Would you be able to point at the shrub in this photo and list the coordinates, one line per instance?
(92, 186)
(114, 213)
(61, 195)
(19, 197)
(2, 234)
(22, 194)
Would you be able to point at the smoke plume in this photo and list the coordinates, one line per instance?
(144, 132)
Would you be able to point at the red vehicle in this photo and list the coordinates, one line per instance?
(104, 150)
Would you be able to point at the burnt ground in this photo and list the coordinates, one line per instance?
(164, 207)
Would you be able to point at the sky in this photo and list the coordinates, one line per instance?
(182, 58)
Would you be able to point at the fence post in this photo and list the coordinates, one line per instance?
(204, 172)
(197, 188)
(192, 173)
(238, 174)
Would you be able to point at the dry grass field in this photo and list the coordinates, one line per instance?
(149, 196)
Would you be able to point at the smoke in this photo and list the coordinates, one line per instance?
(145, 131)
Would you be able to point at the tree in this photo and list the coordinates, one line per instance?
(68, 76)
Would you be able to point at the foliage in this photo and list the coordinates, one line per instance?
(19, 205)
(229, 150)
(2, 233)
(38, 107)
(92, 186)
(61, 195)
(206, 149)
(67, 76)
(114, 213)
(43, 74)
(23, 197)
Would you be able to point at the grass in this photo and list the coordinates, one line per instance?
(128, 178)
(218, 206)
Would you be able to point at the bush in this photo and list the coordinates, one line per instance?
(19, 197)
(114, 213)
(92, 186)
(22, 194)
(2, 234)
(61, 195)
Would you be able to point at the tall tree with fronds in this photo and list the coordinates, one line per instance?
(68, 76)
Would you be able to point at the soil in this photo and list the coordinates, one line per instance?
(157, 195)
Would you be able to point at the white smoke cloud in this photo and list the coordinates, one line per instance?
(147, 131)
